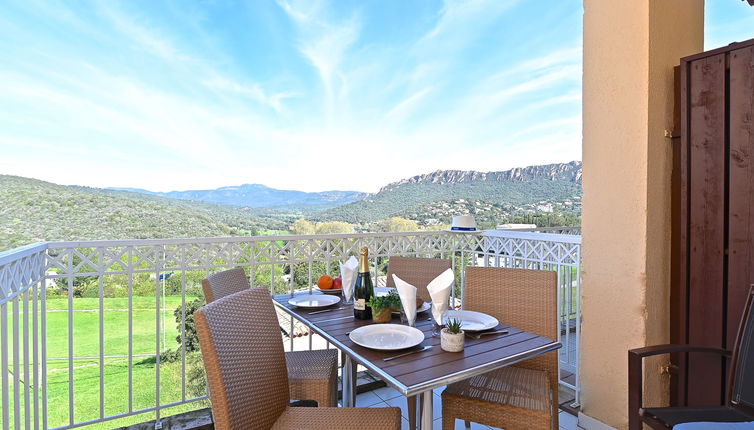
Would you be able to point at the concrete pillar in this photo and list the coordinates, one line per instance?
(630, 48)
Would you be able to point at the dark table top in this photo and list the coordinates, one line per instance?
(425, 370)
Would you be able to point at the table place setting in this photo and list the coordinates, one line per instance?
(472, 321)
(331, 291)
(407, 293)
(478, 335)
(348, 274)
(439, 290)
(313, 301)
(328, 310)
(403, 354)
(386, 337)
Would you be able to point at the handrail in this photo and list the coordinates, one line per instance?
(231, 239)
(532, 235)
(15, 254)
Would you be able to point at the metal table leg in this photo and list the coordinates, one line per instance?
(426, 410)
(349, 382)
(412, 411)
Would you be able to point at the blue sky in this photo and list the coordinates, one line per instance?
(309, 95)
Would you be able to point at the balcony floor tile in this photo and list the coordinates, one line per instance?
(393, 398)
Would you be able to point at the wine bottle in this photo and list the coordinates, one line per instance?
(363, 290)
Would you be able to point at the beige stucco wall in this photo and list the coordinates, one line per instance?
(630, 49)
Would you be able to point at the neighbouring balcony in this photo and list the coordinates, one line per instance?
(100, 333)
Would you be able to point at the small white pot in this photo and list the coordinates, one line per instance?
(451, 342)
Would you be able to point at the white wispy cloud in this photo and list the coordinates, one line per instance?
(147, 37)
(461, 21)
(290, 106)
(325, 44)
(254, 91)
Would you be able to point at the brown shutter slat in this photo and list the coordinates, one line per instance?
(741, 227)
(706, 217)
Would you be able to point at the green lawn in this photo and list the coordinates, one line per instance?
(86, 326)
(86, 375)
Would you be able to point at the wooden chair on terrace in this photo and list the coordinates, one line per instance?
(522, 396)
(312, 375)
(247, 375)
(416, 271)
(740, 399)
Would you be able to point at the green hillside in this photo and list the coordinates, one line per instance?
(437, 195)
(32, 210)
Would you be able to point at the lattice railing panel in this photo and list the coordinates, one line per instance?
(282, 263)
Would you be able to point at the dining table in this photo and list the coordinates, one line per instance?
(414, 375)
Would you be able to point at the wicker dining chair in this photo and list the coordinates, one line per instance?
(525, 395)
(416, 271)
(247, 375)
(312, 375)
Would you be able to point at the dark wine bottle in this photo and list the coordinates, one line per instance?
(364, 289)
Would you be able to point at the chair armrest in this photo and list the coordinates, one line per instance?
(635, 380)
(648, 351)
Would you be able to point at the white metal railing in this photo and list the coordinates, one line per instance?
(107, 351)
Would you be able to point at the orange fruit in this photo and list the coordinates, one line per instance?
(325, 282)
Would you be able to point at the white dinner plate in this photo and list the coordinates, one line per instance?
(424, 308)
(331, 291)
(387, 337)
(472, 321)
(313, 301)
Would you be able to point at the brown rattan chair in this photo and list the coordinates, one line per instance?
(247, 375)
(312, 375)
(525, 395)
(416, 271)
(740, 397)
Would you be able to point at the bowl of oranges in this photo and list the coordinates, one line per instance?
(329, 285)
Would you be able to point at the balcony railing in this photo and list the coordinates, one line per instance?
(97, 331)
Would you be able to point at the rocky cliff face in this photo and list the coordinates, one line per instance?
(553, 172)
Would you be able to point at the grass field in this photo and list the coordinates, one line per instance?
(86, 373)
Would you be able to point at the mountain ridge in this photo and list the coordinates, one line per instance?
(554, 187)
(258, 196)
(262, 196)
(556, 171)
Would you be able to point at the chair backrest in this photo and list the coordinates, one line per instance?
(244, 360)
(225, 283)
(521, 298)
(416, 271)
(742, 367)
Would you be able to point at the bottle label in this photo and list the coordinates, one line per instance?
(360, 304)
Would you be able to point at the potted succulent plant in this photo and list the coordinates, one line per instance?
(451, 337)
(383, 307)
